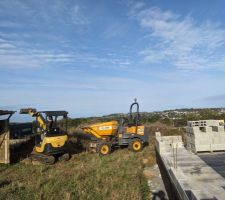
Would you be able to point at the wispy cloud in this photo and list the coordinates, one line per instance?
(115, 30)
(4, 44)
(66, 81)
(42, 43)
(180, 40)
(34, 14)
(77, 17)
(12, 55)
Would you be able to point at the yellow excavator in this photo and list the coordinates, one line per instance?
(128, 132)
(50, 141)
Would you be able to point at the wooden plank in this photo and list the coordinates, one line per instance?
(4, 143)
(4, 149)
(7, 152)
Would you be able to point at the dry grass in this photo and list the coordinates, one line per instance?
(85, 176)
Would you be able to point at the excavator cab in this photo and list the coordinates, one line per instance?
(51, 140)
(52, 119)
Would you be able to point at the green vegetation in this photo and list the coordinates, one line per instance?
(177, 118)
(201, 114)
(86, 176)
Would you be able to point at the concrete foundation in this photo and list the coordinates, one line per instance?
(186, 176)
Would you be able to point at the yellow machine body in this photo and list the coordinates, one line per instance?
(55, 143)
(128, 132)
(101, 130)
(135, 130)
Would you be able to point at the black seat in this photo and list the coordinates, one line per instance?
(54, 132)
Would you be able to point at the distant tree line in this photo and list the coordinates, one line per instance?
(202, 114)
(177, 121)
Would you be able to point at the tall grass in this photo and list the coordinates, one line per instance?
(86, 176)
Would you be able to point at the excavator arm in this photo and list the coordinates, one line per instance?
(33, 113)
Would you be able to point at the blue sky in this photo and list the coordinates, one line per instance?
(94, 57)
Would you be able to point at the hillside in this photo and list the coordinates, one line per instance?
(176, 117)
(85, 176)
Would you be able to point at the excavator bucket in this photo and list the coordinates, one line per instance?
(27, 110)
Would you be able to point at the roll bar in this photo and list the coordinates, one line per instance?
(134, 120)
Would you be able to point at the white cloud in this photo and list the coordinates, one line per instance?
(135, 7)
(181, 41)
(83, 81)
(13, 55)
(77, 17)
(35, 13)
(6, 45)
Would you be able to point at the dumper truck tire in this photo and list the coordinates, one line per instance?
(135, 145)
(104, 148)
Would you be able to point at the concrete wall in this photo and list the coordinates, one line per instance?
(205, 135)
(163, 141)
(202, 123)
(172, 185)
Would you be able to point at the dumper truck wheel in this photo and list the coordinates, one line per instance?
(104, 149)
(135, 145)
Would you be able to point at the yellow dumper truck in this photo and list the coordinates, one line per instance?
(127, 132)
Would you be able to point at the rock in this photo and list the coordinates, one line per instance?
(26, 161)
(145, 161)
(149, 174)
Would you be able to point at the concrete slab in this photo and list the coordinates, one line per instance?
(194, 177)
(215, 160)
